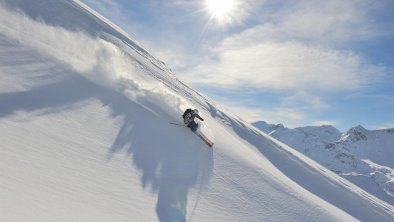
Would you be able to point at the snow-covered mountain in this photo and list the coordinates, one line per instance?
(362, 156)
(308, 139)
(85, 136)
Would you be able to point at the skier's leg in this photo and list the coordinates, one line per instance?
(193, 126)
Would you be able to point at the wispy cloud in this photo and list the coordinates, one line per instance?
(299, 52)
(383, 126)
(325, 122)
(321, 21)
(291, 116)
(285, 66)
(295, 48)
(300, 98)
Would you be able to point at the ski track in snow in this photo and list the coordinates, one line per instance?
(84, 125)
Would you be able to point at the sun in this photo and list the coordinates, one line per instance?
(222, 11)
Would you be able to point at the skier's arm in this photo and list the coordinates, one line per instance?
(199, 117)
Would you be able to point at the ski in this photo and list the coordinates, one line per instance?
(206, 140)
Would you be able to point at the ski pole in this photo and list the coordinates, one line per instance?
(178, 124)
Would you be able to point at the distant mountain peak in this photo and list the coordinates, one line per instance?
(278, 126)
(358, 128)
(268, 128)
(355, 134)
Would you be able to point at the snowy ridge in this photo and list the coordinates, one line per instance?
(309, 138)
(84, 125)
(370, 153)
(359, 155)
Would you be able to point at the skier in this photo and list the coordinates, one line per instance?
(188, 118)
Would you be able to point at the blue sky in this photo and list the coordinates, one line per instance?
(299, 63)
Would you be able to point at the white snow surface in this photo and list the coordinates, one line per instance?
(85, 136)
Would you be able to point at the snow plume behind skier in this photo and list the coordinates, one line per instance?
(188, 118)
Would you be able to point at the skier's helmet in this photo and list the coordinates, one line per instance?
(195, 111)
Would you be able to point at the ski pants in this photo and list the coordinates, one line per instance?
(193, 126)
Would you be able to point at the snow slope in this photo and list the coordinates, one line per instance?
(359, 155)
(85, 136)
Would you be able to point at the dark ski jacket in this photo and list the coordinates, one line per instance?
(189, 115)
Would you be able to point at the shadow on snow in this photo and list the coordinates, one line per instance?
(172, 159)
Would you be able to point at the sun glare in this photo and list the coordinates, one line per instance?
(221, 10)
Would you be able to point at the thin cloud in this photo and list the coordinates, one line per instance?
(298, 47)
(292, 117)
(332, 22)
(286, 66)
(325, 21)
(303, 99)
(289, 116)
(325, 123)
(383, 126)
